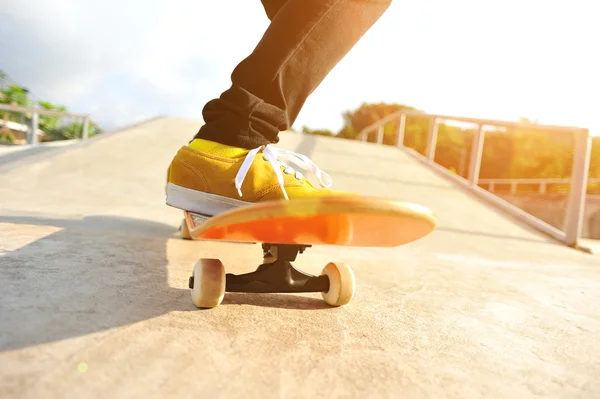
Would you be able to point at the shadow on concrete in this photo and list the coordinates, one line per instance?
(92, 275)
(282, 301)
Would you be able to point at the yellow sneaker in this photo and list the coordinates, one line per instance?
(209, 178)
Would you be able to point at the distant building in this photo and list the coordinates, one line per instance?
(16, 133)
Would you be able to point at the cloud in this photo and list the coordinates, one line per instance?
(123, 61)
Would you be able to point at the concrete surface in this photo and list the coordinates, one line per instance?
(94, 301)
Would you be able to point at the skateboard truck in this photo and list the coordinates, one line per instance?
(275, 275)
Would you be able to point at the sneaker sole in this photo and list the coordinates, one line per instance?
(200, 202)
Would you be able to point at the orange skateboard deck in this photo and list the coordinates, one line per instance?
(355, 221)
(286, 228)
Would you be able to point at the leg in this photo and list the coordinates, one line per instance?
(305, 40)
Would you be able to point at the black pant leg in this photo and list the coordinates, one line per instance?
(304, 41)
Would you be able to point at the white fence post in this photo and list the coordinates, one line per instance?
(365, 135)
(380, 134)
(401, 129)
(579, 179)
(476, 154)
(32, 137)
(86, 127)
(432, 141)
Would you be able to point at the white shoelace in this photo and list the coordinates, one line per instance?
(278, 157)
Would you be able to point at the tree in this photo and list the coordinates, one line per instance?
(367, 114)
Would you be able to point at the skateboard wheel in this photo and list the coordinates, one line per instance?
(341, 284)
(208, 287)
(184, 232)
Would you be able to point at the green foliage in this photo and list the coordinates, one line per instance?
(498, 151)
(14, 94)
(5, 137)
(366, 115)
(50, 122)
(55, 127)
(453, 148)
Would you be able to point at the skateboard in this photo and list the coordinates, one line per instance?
(286, 228)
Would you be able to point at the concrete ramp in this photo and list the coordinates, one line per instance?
(94, 300)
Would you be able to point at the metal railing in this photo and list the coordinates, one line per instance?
(542, 183)
(32, 132)
(578, 180)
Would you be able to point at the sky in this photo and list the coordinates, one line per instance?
(126, 61)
